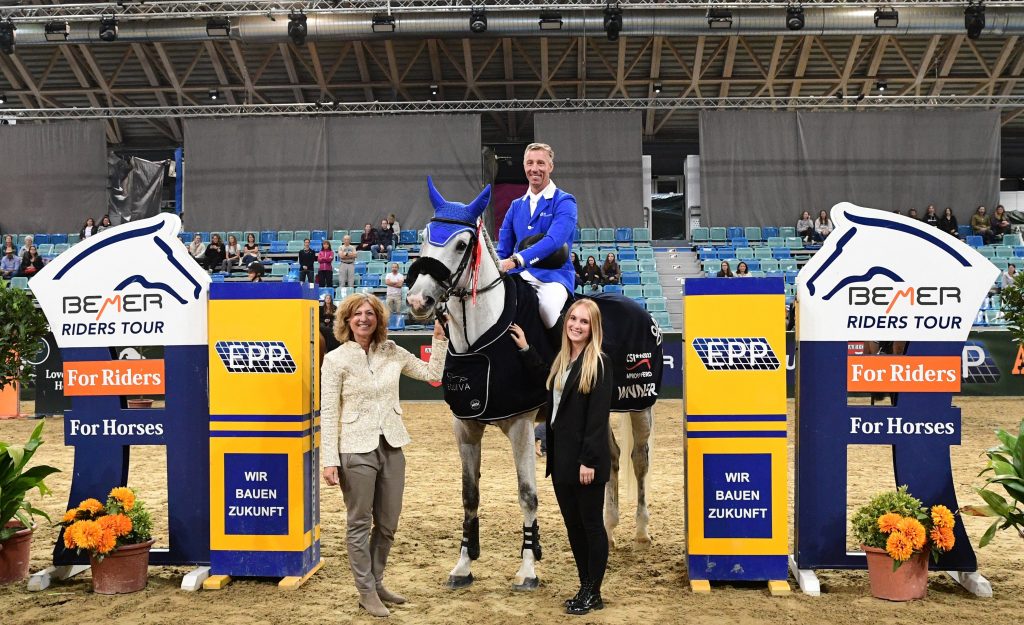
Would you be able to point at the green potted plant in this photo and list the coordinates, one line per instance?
(897, 533)
(22, 325)
(117, 535)
(1006, 465)
(16, 513)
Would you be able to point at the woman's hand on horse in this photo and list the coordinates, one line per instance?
(438, 330)
(518, 336)
(586, 475)
(331, 476)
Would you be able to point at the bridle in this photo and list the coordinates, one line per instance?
(448, 279)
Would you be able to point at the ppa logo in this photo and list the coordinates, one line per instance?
(255, 356)
(736, 354)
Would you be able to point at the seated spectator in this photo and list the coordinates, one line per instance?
(215, 253)
(104, 224)
(579, 269)
(725, 271)
(8, 244)
(347, 266)
(394, 281)
(385, 241)
(947, 223)
(232, 254)
(610, 270)
(368, 239)
(88, 229)
(31, 262)
(1008, 276)
(822, 227)
(325, 259)
(591, 274)
(9, 265)
(912, 213)
(29, 242)
(251, 251)
(327, 312)
(742, 271)
(805, 227)
(255, 271)
(930, 216)
(999, 224)
(307, 258)
(393, 224)
(197, 249)
(981, 226)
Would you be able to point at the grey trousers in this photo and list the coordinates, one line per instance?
(346, 275)
(372, 484)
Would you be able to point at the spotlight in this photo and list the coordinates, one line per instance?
(108, 28)
(7, 37)
(383, 23)
(613, 21)
(550, 20)
(218, 27)
(478, 20)
(433, 90)
(214, 94)
(3, 99)
(887, 18)
(57, 31)
(974, 20)
(657, 87)
(719, 18)
(795, 17)
(297, 28)
(881, 85)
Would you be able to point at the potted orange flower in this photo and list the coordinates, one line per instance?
(897, 533)
(117, 537)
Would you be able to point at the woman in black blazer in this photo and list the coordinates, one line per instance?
(579, 455)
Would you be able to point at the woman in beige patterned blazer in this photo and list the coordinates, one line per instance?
(363, 435)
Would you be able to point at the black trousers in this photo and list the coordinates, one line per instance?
(582, 510)
(306, 275)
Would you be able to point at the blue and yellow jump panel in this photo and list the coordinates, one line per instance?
(734, 341)
(264, 432)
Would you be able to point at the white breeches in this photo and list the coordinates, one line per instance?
(550, 295)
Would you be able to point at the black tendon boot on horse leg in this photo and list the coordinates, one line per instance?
(531, 541)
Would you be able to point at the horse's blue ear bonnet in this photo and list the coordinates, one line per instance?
(440, 232)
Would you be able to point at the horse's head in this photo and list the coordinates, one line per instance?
(446, 252)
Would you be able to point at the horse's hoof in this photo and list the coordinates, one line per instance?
(529, 584)
(644, 540)
(459, 581)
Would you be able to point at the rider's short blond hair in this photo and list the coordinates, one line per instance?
(540, 146)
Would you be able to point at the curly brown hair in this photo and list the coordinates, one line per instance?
(348, 307)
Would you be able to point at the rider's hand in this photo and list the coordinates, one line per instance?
(518, 336)
(438, 330)
(506, 265)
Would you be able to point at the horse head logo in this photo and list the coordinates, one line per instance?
(133, 284)
(881, 276)
(447, 245)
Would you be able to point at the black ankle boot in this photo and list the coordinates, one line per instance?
(578, 596)
(591, 600)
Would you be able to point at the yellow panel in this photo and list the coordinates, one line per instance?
(257, 426)
(735, 426)
(697, 544)
(715, 392)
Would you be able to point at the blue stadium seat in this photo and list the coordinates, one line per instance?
(338, 234)
(360, 268)
(400, 256)
(642, 237)
(644, 253)
(779, 253)
(700, 235)
(322, 291)
(606, 235)
(663, 320)
(588, 235)
(787, 231)
(656, 304)
(745, 253)
(318, 234)
(267, 237)
(624, 236)
(44, 249)
(371, 280)
(205, 236)
(63, 238)
(363, 256)
(1019, 251)
(739, 242)
(217, 277)
(649, 277)
(653, 290)
(396, 322)
(787, 264)
(629, 265)
(769, 231)
(769, 265)
(612, 288)
(734, 232)
(1012, 240)
(295, 245)
(718, 235)
(300, 234)
(280, 269)
(627, 254)
(794, 243)
(964, 231)
(975, 241)
(407, 237)
(285, 235)
(378, 267)
(648, 265)
(630, 277)
(40, 239)
(278, 247)
(764, 252)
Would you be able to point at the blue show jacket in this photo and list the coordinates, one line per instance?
(556, 218)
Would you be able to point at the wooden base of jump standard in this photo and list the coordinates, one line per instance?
(778, 588)
(219, 582)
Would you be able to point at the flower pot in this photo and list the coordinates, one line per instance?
(906, 583)
(15, 554)
(124, 570)
(140, 403)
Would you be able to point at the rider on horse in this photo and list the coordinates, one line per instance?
(537, 234)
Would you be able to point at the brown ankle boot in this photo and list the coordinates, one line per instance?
(370, 602)
(389, 597)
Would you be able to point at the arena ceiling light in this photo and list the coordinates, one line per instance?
(7, 37)
(550, 20)
(881, 86)
(3, 99)
(214, 94)
(297, 28)
(433, 90)
(795, 18)
(613, 21)
(974, 19)
(57, 31)
(108, 28)
(383, 23)
(887, 18)
(219, 27)
(719, 19)
(478, 20)
(657, 87)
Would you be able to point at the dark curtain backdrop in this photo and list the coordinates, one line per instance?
(53, 176)
(764, 168)
(336, 173)
(599, 159)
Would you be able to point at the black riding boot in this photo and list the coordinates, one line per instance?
(578, 596)
(591, 600)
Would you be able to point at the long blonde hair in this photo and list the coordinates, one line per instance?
(591, 355)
